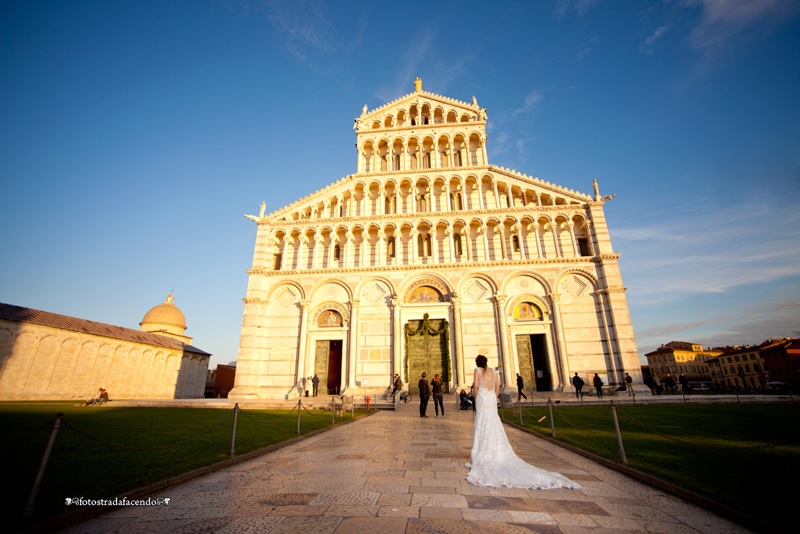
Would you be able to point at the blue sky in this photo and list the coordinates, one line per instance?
(134, 135)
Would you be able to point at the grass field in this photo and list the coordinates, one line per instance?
(739, 455)
(128, 448)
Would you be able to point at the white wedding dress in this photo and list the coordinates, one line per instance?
(493, 461)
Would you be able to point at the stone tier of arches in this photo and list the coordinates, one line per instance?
(416, 152)
(427, 194)
(428, 241)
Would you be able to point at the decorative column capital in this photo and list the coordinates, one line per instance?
(555, 298)
(500, 299)
(355, 304)
(305, 304)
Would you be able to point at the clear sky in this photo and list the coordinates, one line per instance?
(135, 134)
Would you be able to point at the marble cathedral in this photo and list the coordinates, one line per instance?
(425, 257)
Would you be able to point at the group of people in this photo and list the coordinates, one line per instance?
(669, 385)
(427, 390)
(99, 398)
(314, 381)
(598, 384)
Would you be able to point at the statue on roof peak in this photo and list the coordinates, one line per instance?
(417, 85)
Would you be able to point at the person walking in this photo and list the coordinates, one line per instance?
(520, 387)
(424, 394)
(578, 383)
(684, 384)
(629, 384)
(669, 384)
(437, 389)
(598, 385)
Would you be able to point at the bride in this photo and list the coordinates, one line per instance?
(493, 461)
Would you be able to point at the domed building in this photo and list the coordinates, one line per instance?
(167, 320)
(47, 356)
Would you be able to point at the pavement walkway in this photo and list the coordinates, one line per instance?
(394, 472)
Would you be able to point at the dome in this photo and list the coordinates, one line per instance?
(165, 317)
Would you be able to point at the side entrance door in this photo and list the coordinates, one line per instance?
(328, 366)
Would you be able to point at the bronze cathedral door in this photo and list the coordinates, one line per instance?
(427, 350)
(328, 366)
(532, 361)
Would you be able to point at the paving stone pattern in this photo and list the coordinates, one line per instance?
(394, 473)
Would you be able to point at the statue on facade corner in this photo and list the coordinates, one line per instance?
(417, 85)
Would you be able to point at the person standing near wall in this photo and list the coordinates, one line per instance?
(598, 385)
(438, 394)
(424, 394)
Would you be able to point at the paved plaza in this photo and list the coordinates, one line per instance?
(394, 472)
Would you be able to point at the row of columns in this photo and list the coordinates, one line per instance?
(505, 353)
(348, 246)
(369, 163)
(329, 209)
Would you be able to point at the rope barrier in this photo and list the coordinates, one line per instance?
(132, 448)
(603, 416)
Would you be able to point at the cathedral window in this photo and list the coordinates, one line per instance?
(276, 264)
(337, 252)
(424, 245)
(455, 201)
(426, 160)
(390, 245)
(390, 205)
(457, 244)
(515, 242)
(583, 246)
(396, 162)
(458, 159)
(384, 164)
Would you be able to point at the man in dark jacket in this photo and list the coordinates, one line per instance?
(424, 394)
(578, 383)
(520, 387)
(598, 385)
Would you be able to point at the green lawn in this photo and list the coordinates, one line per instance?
(136, 452)
(739, 455)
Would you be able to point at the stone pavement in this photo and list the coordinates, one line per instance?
(395, 472)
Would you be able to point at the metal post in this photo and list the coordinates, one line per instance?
(552, 421)
(520, 413)
(619, 435)
(299, 407)
(32, 497)
(233, 435)
(333, 410)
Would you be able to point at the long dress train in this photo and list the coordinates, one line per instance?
(493, 461)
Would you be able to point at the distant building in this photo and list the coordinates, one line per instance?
(678, 357)
(782, 361)
(425, 257)
(47, 356)
(741, 369)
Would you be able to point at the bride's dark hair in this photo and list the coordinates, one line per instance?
(481, 361)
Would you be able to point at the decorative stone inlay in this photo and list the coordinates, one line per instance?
(376, 293)
(575, 286)
(476, 290)
(286, 297)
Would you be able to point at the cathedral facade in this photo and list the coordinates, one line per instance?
(425, 257)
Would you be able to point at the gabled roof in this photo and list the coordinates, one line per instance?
(19, 314)
(410, 97)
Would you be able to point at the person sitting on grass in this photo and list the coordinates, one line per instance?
(103, 397)
(96, 398)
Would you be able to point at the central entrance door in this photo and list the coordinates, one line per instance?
(427, 351)
(532, 362)
(328, 366)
